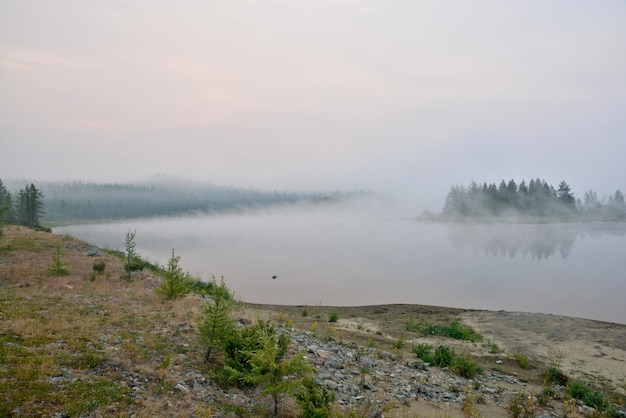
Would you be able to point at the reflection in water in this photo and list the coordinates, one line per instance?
(352, 256)
(538, 241)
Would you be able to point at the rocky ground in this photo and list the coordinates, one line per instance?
(96, 345)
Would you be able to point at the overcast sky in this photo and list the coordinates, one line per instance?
(316, 94)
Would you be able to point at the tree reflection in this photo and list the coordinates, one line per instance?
(537, 241)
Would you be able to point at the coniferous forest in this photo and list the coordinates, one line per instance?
(76, 200)
(535, 200)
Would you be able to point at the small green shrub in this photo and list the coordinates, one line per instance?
(444, 356)
(492, 346)
(99, 266)
(398, 344)
(200, 287)
(546, 394)
(554, 375)
(333, 317)
(522, 406)
(454, 330)
(521, 360)
(590, 397)
(411, 326)
(423, 352)
(465, 366)
(58, 267)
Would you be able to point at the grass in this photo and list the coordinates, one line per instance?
(492, 346)
(69, 346)
(47, 358)
(521, 360)
(398, 344)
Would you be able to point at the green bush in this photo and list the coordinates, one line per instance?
(201, 287)
(466, 366)
(99, 266)
(423, 352)
(590, 397)
(333, 317)
(444, 356)
(398, 344)
(454, 330)
(554, 375)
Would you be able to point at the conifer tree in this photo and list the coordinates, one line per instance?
(131, 252)
(273, 371)
(217, 325)
(30, 206)
(6, 206)
(175, 282)
(565, 195)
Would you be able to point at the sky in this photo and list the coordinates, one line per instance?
(405, 97)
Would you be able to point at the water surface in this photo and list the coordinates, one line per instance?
(350, 255)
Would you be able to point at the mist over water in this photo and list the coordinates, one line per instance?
(349, 254)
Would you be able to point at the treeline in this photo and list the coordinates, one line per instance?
(74, 200)
(537, 199)
(26, 209)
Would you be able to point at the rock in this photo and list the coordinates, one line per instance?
(330, 384)
(354, 390)
(323, 354)
(357, 374)
(334, 363)
(418, 365)
(181, 388)
(93, 252)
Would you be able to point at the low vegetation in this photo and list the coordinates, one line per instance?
(445, 356)
(333, 317)
(453, 330)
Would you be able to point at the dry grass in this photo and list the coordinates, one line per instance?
(78, 346)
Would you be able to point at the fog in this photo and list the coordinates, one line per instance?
(406, 98)
(359, 253)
